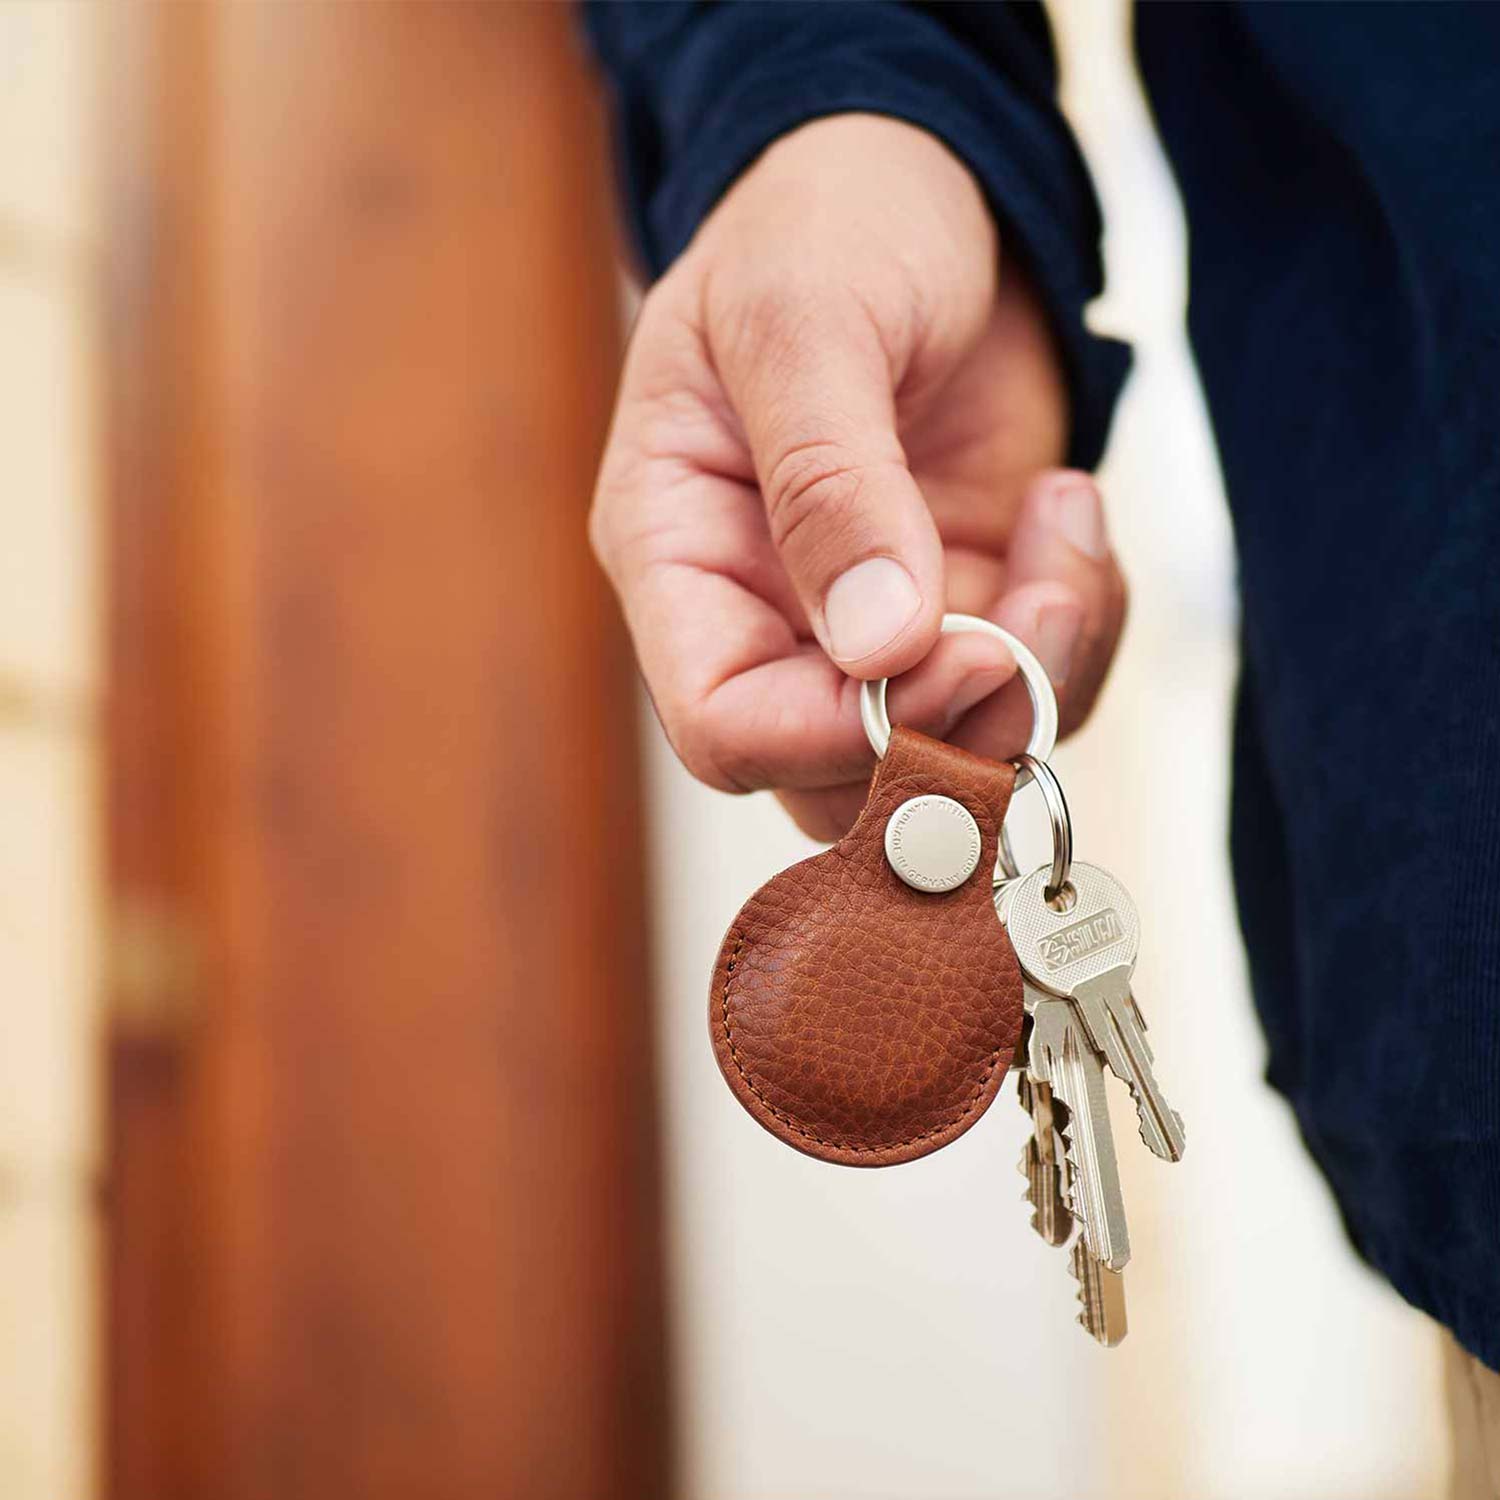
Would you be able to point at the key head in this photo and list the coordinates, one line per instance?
(1003, 891)
(1091, 929)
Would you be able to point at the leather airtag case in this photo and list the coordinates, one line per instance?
(860, 1020)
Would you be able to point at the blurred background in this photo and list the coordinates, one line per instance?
(359, 1135)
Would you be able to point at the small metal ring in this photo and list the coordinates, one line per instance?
(1062, 824)
(877, 720)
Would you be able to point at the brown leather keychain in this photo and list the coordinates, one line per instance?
(866, 1002)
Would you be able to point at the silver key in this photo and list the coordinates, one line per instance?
(1087, 953)
(1062, 1056)
(1102, 1293)
(1044, 1167)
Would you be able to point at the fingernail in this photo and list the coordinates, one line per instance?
(1079, 518)
(1055, 638)
(868, 607)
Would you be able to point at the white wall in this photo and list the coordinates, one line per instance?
(48, 738)
(902, 1334)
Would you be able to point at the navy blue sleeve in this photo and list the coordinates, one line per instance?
(700, 89)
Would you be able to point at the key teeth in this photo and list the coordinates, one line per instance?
(1109, 1328)
(1063, 1223)
(1062, 1228)
(1142, 1118)
(1081, 1296)
(1025, 1166)
(1029, 1166)
(1069, 1172)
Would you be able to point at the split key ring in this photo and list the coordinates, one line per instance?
(1030, 764)
(876, 718)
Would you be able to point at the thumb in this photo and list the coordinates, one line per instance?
(815, 394)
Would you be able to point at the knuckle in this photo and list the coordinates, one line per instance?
(655, 300)
(704, 753)
(814, 818)
(667, 304)
(608, 521)
(600, 540)
(1109, 608)
(814, 482)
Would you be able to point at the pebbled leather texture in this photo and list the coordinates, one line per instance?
(857, 1019)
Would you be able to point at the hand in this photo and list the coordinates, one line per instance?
(837, 419)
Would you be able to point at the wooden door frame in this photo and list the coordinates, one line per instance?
(383, 1198)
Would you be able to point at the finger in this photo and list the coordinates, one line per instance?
(916, 700)
(1048, 618)
(826, 815)
(975, 580)
(1065, 597)
(795, 722)
(744, 697)
(1061, 539)
(744, 701)
(678, 525)
(1062, 594)
(812, 384)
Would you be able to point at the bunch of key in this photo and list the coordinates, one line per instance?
(1075, 932)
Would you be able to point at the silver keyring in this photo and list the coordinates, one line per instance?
(877, 719)
(1062, 825)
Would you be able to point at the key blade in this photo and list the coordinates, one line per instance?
(1061, 1120)
(1102, 1294)
(1108, 1001)
(1092, 997)
(1162, 1128)
(1050, 1218)
(1077, 1079)
(1067, 1177)
(1044, 1121)
(1043, 1166)
(1032, 995)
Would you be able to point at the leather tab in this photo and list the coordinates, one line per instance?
(860, 1020)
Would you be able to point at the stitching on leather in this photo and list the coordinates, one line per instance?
(807, 1135)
